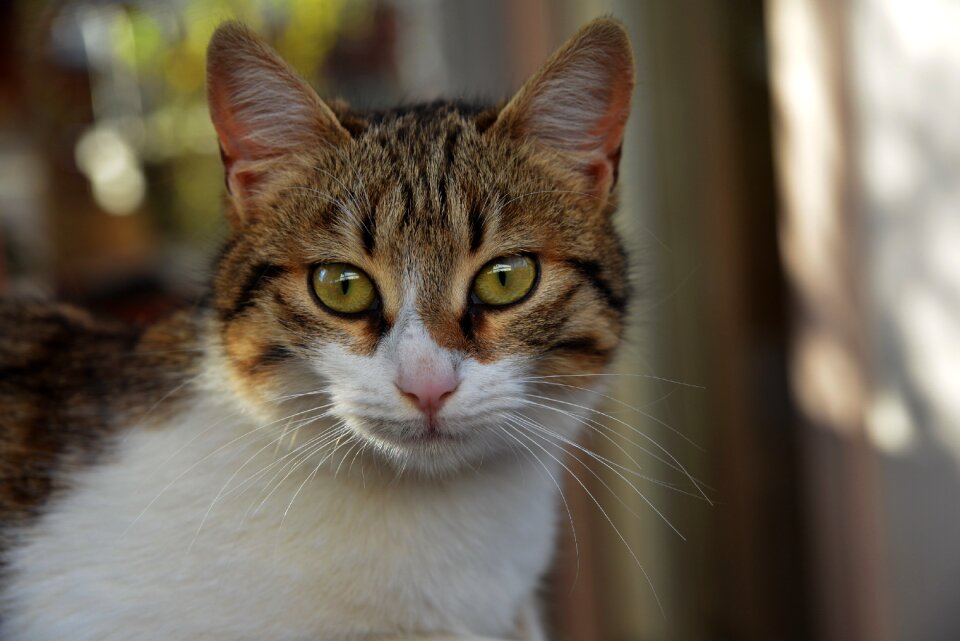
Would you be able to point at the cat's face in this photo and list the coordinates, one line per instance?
(414, 272)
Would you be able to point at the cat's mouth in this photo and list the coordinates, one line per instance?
(417, 433)
(448, 445)
(412, 434)
(433, 435)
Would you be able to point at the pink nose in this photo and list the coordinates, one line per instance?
(428, 391)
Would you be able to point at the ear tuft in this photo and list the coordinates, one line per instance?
(577, 104)
(260, 108)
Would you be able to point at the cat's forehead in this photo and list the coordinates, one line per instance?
(421, 177)
(428, 185)
(416, 122)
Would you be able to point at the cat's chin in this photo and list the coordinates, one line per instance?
(442, 449)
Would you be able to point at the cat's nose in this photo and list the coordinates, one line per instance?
(428, 390)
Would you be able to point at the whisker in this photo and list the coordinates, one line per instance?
(363, 446)
(301, 486)
(630, 375)
(627, 405)
(220, 493)
(298, 425)
(599, 428)
(203, 459)
(348, 209)
(194, 438)
(266, 469)
(344, 458)
(288, 397)
(544, 431)
(139, 422)
(573, 530)
(343, 156)
(335, 436)
(594, 428)
(352, 196)
(639, 432)
(608, 462)
(605, 516)
(342, 206)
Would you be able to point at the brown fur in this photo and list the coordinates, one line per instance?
(67, 382)
(431, 176)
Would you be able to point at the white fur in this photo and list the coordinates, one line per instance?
(357, 556)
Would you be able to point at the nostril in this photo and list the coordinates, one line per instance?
(428, 396)
(438, 401)
(410, 396)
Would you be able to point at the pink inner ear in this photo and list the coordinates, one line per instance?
(610, 130)
(604, 169)
(226, 125)
(603, 176)
(230, 132)
(243, 177)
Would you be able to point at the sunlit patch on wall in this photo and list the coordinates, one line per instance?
(826, 380)
(931, 336)
(889, 424)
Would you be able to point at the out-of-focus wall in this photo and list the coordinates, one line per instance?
(868, 93)
(907, 105)
(905, 88)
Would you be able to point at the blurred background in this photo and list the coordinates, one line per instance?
(792, 201)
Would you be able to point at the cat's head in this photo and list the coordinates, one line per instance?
(411, 272)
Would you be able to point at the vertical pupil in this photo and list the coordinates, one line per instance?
(502, 275)
(344, 284)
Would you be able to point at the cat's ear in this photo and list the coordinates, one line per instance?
(262, 111)
(577, 104)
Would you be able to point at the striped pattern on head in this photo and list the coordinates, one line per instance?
(419, 199)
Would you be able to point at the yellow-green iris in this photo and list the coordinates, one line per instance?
(343, 288)
(505, 280)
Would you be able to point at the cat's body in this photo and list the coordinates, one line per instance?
(277, 464)
(359, 554)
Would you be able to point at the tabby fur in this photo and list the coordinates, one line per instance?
(118, 446)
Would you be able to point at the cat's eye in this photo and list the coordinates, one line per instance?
(343, 288)
(505, 280)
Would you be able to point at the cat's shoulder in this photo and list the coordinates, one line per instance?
(49, 368)
(49, 347)
(37, 335)
(68, 382)
(27, 324)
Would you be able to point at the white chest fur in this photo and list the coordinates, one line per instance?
(120, 556)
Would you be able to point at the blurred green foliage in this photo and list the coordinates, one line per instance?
(163, 45)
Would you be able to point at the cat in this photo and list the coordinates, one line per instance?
(355, 436)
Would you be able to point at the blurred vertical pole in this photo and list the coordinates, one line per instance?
(821, 239)
(719, 320)
(756, 589)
